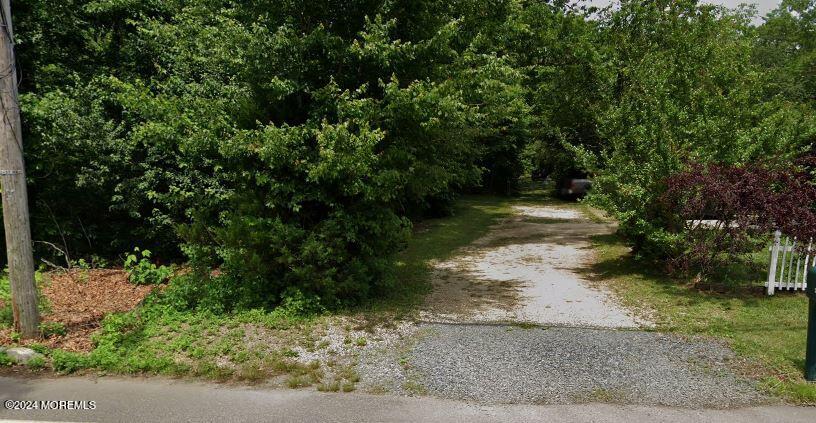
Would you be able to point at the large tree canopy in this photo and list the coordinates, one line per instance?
(290, 144)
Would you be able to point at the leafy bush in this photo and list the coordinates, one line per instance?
(36, 363)
(718, 215)
(49, 329)
(6, 316)
(69, 362)
(5, 360)
(40, 348)
(141, 271)
(284, 144)
(212, 294)
(6, 312)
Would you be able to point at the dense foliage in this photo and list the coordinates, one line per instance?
(686, 91)
(722, 215)
(285, 143)
(282, 145)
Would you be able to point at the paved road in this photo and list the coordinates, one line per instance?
(129, 400)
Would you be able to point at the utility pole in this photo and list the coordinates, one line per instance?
(15, 196)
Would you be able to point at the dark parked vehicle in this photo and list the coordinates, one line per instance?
(573, 187)
(539, 175)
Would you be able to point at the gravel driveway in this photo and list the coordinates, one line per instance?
(526, 269)
(512, 320)
(506, 364)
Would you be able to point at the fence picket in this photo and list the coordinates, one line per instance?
(783, 264)
(791, 270)
(788, 267)
(774, 259)
(790, 264)
(801, 284)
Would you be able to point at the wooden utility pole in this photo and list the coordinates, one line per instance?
(15, 195)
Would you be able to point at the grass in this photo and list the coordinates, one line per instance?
(769, 333)
(437, 240)
(243, 346)
(525, 325)
(605, 396)
(333, 386)
(6, 315)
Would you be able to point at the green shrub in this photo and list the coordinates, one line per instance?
(203, 136)
(5, 360)
(6, 313)
(49, 329)
(141, 271)
(37, 362)
(6, 316)
(40, 348)
(69, 362)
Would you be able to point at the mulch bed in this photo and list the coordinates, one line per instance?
(79, 299)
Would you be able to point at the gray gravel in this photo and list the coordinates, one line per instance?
(510, 364)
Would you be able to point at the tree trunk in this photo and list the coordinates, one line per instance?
(15, 196)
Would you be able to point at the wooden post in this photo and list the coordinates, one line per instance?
(15, 195)
(808, 264)
(774, 258)
(805, 268)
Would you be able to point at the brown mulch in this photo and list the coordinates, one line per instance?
(79, 299)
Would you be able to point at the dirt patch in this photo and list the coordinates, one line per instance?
(78, 300)
(459, 291)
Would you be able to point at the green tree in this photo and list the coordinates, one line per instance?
(786, 47)
(686, 91)
(285, 143)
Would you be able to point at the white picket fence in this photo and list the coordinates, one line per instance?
(789, 267)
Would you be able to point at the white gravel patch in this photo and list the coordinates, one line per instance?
(346, 345)
(551, 292)
(528, 271)
(547, 212)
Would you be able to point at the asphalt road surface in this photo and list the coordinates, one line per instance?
(133, 400)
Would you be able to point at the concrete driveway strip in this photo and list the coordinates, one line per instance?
(133, 400)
